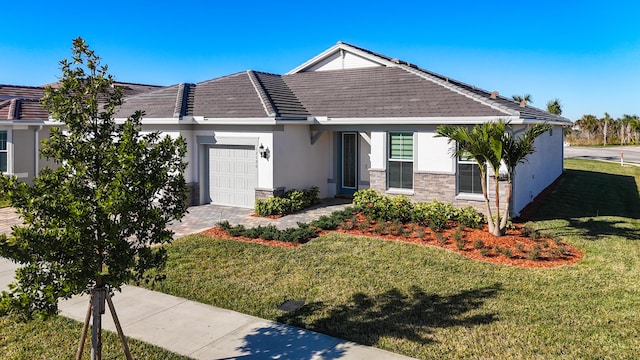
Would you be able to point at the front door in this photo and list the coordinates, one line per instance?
(348, 163)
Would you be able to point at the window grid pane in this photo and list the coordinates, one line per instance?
(401, 146)
(3, 140)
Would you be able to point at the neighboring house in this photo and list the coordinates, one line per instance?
(24, 122)
(345, 120)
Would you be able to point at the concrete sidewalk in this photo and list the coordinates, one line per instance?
(201, 331)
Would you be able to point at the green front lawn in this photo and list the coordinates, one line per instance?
(430, 303)
(58, 338)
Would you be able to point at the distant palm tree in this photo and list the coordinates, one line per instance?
(554, 106)
(525, 97)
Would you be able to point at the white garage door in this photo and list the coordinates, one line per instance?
(232, 175)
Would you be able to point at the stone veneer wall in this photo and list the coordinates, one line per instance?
(193, 197)
(269, 193)
(442, 187)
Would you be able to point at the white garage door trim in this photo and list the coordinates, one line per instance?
(233, 175)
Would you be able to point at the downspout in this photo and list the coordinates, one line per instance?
(37, 151)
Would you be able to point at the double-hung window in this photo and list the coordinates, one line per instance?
(400, 165)
(3, 151)
(469, 178)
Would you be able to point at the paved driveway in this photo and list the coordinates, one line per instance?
(631, 153)
(203, 217)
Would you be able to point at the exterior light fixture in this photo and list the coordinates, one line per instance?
(264, 152)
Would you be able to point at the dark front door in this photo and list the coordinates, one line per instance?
(348, 163)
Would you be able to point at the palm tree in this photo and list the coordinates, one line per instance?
(554, 106)
(526, 98)
(605, 127)
(515, 151)
(484, 144)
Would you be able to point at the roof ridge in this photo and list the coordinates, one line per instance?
(23, 86)
(444, 81)
(180, 108)
(264, 97)
(14, 109)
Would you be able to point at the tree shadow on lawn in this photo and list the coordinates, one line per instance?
(593, 203)
(366, 319)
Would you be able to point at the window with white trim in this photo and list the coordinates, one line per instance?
(3, 151)
(469, 176)
(400, 164)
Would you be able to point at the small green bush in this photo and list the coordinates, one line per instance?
(460, 243)
(325, 222)
(293, 200)
(478, 244)
(469, 217)
(441, 239)
(238, 230)
(224, 225)
(534, 253)
(435, 214)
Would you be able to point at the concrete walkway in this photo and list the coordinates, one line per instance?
(205, 332)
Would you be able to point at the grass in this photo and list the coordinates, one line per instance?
(57, 338)
(430, 303)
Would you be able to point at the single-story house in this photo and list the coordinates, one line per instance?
(345, 120)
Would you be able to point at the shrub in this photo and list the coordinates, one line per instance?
(458, 235)
(484, 251)
(420, 233)
(293, 200)
(520, 247)
(460, 243)
(478, 244)
(469, 217)
(435, 214)
(400, 209)
(441, 239)
(238, 230)
(534, 253)
(224, 225)
(325, 223)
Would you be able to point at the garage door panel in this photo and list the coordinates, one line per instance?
(232, 175)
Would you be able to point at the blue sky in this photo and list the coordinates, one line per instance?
(586, 53)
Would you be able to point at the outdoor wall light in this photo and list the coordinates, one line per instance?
(264, 152)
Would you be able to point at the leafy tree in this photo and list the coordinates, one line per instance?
(96, 218)
(554, 106)
(526, 98)
(515, 151)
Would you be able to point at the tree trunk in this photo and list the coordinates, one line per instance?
(505, 216)
(487, 203)
(497, 230)
(98, 296)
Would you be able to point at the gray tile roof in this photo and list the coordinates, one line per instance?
(380, 92)
(156, 104)
(397, 89)
(23, 102)
(232, 96)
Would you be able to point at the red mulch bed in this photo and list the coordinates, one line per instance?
(548, 253)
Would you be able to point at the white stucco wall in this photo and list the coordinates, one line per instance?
(433, 154)
(378, 150)
(299, 164)
(364, 163)
(542, 168)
